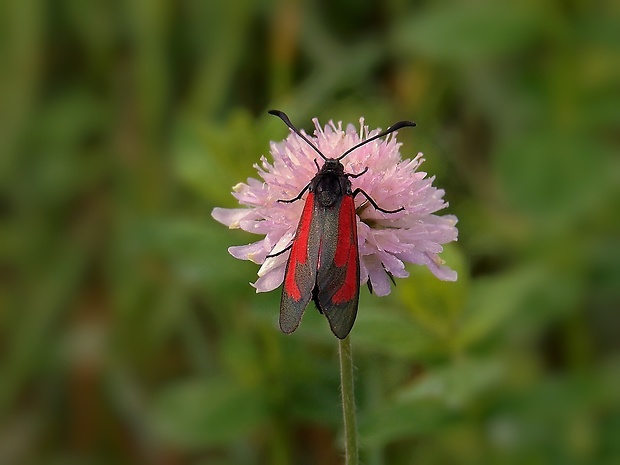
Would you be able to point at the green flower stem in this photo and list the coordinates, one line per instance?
(348, 402)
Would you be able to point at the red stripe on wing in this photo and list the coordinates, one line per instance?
(346, 252)
(346, 222)
(299, 251)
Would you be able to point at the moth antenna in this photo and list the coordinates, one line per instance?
(287, 121)
(391, 129)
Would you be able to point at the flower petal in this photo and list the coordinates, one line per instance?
(435, 264)
(254, 252)
(231, 217)
(270, 280)
(377, 276)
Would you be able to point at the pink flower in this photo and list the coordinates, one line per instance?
(386, 240)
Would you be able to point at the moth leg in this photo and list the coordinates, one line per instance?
(358, 174)
(373, 203)
(288, 247)
(298, 195)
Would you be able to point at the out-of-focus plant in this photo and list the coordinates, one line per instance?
(129, 335)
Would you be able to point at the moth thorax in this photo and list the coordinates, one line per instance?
(332, 166)
(328, 190)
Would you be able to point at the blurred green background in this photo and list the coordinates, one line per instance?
(128, 335)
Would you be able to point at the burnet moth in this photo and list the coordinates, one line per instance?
(324, 261)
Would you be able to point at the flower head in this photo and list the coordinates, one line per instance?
(386, 240)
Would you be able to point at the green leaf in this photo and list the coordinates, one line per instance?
(399, 420)
(457, 384)
(381, 329)
(315, 402)
(469, 30)
(431, 402)
(208, 157)
(191, 247)
(436, 304)
(552, 175)
(495, 300)
(208, 412)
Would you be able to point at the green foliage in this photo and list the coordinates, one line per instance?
(197, 412)
(128, 334)
(468, 31)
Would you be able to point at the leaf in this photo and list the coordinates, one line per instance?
(469, 30)
(384, 330)
(553, 175)
(430, 403)
(400, 420)
(457, 384)
(494, 300)
(191, 247)
(207, 157)
(436, 304)
(208, 412)
(314, 402)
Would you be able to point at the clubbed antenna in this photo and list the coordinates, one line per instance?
(391, 129)
(287, 121)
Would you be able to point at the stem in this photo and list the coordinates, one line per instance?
(348, 402)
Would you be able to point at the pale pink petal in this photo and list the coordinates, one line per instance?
(377, 276)
(363, 271)
(272, 263)
(231, 216)
(435, 264)
(393, 265)
(270, 281)
(254, 252)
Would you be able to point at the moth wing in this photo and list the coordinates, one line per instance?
(338, 276)
(300, 275)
